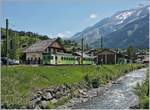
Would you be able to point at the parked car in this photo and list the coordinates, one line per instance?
(4, 61)
(14, 61)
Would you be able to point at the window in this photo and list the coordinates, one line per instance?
(49, 49)
(61, 58)
(55, 57)
(51, 57)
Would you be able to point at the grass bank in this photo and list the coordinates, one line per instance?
(18, 81)
(142, 91)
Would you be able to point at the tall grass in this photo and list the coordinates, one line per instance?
(142, 91)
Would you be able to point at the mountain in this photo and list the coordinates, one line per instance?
(127, 22)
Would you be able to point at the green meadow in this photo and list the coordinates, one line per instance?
(17, 82)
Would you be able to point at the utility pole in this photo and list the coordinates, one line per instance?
(82, 51)
(101, 41)
(7, 40)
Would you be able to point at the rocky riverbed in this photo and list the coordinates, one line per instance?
(78, 93)
(115, 94)
(85, 95)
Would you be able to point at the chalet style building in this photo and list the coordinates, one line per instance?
(34, 53)
(106, 56)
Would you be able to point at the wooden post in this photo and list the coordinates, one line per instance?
(101, 42)
(82, 52)
(7, 40)
(115, 59)
(105, 58)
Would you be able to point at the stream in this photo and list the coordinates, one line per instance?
(119, 95)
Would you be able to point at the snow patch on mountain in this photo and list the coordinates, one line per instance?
(123, 16)
(138, 13)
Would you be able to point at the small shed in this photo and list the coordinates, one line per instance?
(106, 56)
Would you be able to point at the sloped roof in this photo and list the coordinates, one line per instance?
(39, 46)
(106, 50)
(90, 50)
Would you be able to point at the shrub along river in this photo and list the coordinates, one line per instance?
(119, 95)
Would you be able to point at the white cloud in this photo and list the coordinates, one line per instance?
(61, 35)
(93, 16)
(66, 34)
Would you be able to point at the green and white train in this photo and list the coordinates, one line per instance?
(65, 58)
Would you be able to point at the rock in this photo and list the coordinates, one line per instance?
(37, 100)
(37, 107)
(84, 93)
(99, 93)
(65, 94)
(48, 90)
(47, 96)
(64, 88)
(58, 95)
(92, 93)
(135, 107)
(39, 92)
(86, 96)
(61, 89)
(31, 105)
(116, 82)
(34, 103)
(80, 91)
(84, 99)
(43, 105)
(34, 97)
(53, 101)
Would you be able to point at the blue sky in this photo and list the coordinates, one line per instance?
(60, 17)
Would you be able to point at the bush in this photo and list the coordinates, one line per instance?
(95, 82)
(87, 80)
(126, 71)
(144, 102)
(142, 91)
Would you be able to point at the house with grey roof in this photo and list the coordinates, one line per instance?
(34, 53)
